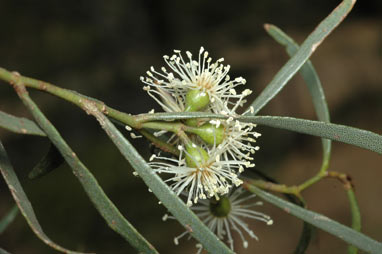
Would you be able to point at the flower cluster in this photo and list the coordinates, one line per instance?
(214, 152)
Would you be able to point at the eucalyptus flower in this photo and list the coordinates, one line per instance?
(227, 215)
(191, 85)
(199, 171)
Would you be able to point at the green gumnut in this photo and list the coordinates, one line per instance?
(210, 134)
(196, 100)
(220, 208)
(195, 156)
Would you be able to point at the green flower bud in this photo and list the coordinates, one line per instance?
(196, 156)
(220, 208)
(210, 134)
(196, 100)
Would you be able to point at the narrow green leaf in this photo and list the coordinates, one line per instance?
(177, 116)
(172, 202)
(361, 138)
(347, 234)
(350, 135)
(356, 217)
(51, 160)
(312, 81)
(307, 71)
(101, 202)
(22, 200)
(19, 125)
(8, 218)
(306, 50)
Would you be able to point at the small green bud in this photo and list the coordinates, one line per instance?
(192, 122)
(220, 208)
(196, 156)
(196, 100)
(210, 134)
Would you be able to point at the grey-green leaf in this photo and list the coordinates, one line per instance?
(177, 116)
(102, 203)
(350, 135)
(347, 234)
(312, 81)
(19, 125)
(22, 201)
(306, 50)
(361, 138)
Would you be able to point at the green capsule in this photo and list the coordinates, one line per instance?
(220, 208)
(196, 100)
(210, 134)
(196, 156)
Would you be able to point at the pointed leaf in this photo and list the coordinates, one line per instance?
(306, 50)
(347, 234)
(312, 81)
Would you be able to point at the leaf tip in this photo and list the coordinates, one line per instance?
(267, 26)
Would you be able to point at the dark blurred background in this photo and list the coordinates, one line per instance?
(100, 48)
